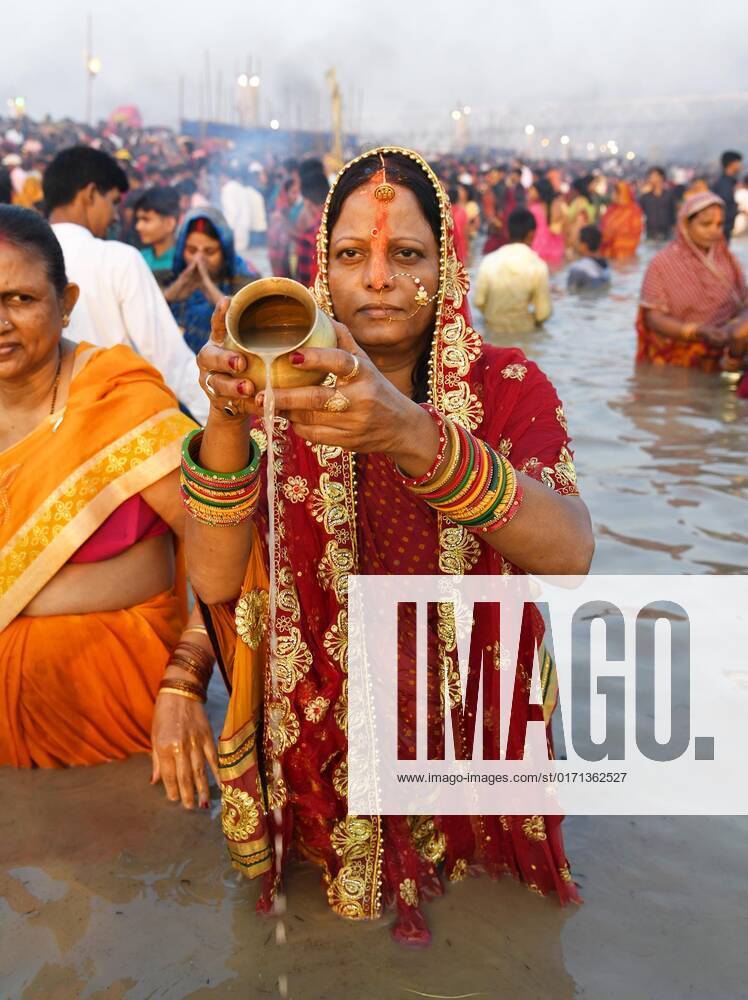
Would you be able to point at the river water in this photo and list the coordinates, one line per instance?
(109, 891)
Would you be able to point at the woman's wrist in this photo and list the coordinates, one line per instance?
(417, 444)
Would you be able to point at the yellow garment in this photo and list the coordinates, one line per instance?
(513, 289)
(80, 688)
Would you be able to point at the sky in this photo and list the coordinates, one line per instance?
(402, 66)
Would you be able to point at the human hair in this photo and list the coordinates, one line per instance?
(162, 200)
(27, 230)
(582, 186)
(521, 223)
(591, 237)
(314, 184)
(400, 169)
(546, 194)
(202, 224)
(657, 170)
(187, 186)
(6, 188)
(74, 169)
(729, 157)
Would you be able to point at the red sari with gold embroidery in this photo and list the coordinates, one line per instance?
(338, 513)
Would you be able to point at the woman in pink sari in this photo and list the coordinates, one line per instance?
(548, 208)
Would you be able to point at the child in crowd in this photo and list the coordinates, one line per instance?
(591, 272)
(156, 218)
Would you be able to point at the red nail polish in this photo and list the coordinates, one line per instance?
(245, 388)
(234, 362)
(297, 358)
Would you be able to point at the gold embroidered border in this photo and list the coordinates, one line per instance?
(37, 556)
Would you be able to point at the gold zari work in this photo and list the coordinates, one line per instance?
(251, 617)
(240, 814)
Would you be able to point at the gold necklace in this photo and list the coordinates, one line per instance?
(56, 383)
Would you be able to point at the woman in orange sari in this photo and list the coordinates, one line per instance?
(408, 366)
(622, 224)
(91, 609)
(693, 298)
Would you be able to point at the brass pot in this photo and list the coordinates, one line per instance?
(279, 314)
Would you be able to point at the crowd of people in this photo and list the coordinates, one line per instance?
(126, 468)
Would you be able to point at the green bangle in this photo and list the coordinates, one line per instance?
(221, 477)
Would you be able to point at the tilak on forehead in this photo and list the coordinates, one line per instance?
(384, 193)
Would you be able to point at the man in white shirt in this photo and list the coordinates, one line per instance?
(235, 206)
(120, 300)
(513, 288)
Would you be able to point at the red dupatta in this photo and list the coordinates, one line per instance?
(335, 515)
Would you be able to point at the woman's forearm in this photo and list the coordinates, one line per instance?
(550, 534)
(217, 556)
(669, 326)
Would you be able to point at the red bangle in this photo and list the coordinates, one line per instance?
(459, 472)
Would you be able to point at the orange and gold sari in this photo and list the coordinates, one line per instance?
(79, 689)
(622, 225)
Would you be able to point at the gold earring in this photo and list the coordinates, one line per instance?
(66, 320)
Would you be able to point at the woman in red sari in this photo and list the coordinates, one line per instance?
(693, 298)
(622, 224)
(343, 505)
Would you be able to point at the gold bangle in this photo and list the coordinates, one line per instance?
(182, 694)
(196, 628)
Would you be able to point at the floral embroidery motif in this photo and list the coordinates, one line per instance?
(504, 823)
(505, 447)
(353, 840)
(340, 713)
(277, 792)
(251, 617)
(327, 453)
(430, 843)
(565, 873)
(561, 417)
(282, 727)
(464, 407)
(328, 507)
(333, 569)
(336, 640)
(240, 815)
(459, 870)
(534, 828)
(455, 281)
(293, 659)
(459, 550)
(564, 472)
(295, 489)
(514, 371)
(316, 709)
(340, 779)
(260, 438)
(462, 345)
(288, 599)
(409, 892)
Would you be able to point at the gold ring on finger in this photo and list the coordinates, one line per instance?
(208, 387)
(230, 410)
(337, 403)
(345, 379)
